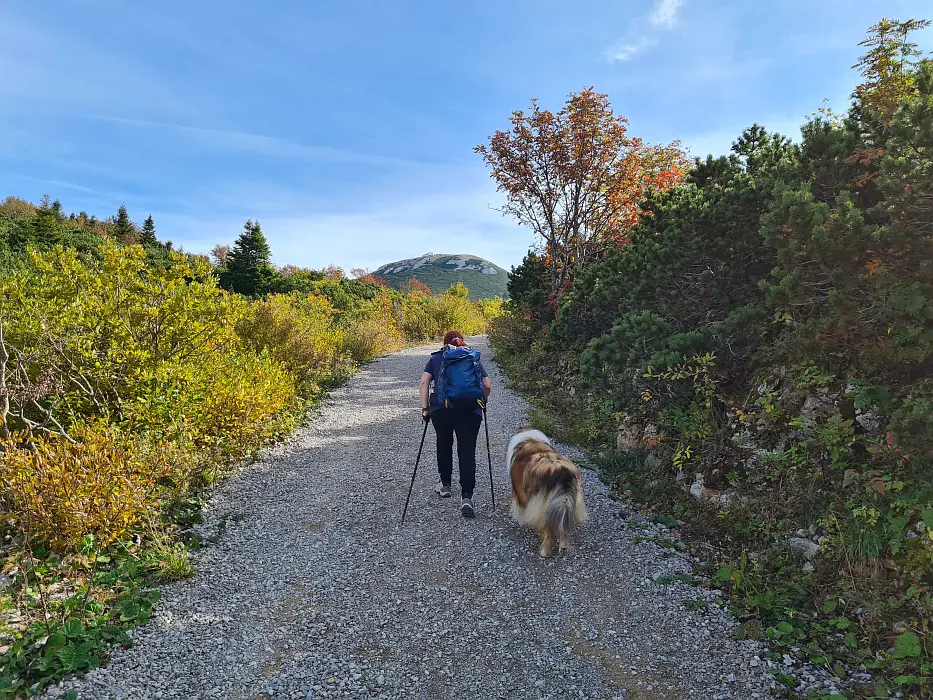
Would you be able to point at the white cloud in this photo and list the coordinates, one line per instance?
(665, 13)
(624, 51)
(645, 33)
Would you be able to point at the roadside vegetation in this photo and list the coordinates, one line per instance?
(133, 378)
(748, 351)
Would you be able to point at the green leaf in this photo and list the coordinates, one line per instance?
(906, 680)
(907, 646)
(73, 658)
(928, 517)
(73, 628)
(130, 611)
(850, 640)
(830, 605)
(58, 639)
(785, 627)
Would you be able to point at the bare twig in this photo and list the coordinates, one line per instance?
(4, 391)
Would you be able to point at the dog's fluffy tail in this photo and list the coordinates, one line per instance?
(558, 515)
(564, 508)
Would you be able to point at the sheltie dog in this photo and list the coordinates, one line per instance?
(547, 490)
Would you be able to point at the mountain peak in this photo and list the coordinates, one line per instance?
(441, 270)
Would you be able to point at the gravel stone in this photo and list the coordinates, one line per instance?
(314, 590)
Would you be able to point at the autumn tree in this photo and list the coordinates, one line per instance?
(416, 287)
(333, 272)
(16, 208)
(889, 74)
(364, 275)
(576, 178)
(219, 255)
(888, 66)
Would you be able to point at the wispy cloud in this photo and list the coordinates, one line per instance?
(625, 50)
(259, 144)
(68, 185)
(645, 34)
(665, 13)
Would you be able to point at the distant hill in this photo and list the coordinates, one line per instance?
(439, 271)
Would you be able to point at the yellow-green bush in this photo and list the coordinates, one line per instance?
(59, 491)
(169, 357)
(372, 331)
(229, 403)
(90, 336)
(155, 350)
(512, 331)
(425, 317)
(490, 308)
(243, 394)
(299, 331)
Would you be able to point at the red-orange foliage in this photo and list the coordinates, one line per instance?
(576, 178)
(364, 275)
(416, 286)
(370, 278)
(333, 272)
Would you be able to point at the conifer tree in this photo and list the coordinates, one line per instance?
(46, 229)
(124, 229)
(249, 270)
(148, 234)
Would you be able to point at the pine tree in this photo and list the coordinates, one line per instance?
(148, 234)
(249, 270)
(124, 229)
(47, 231)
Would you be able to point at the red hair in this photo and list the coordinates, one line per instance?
(454, 338)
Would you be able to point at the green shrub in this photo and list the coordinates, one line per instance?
(771, 321)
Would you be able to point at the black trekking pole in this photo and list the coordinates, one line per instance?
(416, 471)
(492, 489)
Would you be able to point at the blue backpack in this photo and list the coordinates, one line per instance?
(459, 384)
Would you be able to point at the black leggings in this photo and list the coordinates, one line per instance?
(465, 424)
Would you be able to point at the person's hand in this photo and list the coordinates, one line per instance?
(426, 414)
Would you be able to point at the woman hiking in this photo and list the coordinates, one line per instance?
(450, 420)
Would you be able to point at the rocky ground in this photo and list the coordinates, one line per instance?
(314, 590)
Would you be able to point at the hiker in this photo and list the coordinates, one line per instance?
(450, 416)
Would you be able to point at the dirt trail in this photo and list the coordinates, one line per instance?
(314, 591)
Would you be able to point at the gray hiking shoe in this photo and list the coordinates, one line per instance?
(442, 489)
(466, 507)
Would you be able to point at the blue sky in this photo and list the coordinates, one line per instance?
(347, 128)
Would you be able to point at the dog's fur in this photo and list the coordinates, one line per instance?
(547, 489)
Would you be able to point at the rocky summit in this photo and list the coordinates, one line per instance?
(439, 271)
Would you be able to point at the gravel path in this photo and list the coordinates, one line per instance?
(314, 591)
